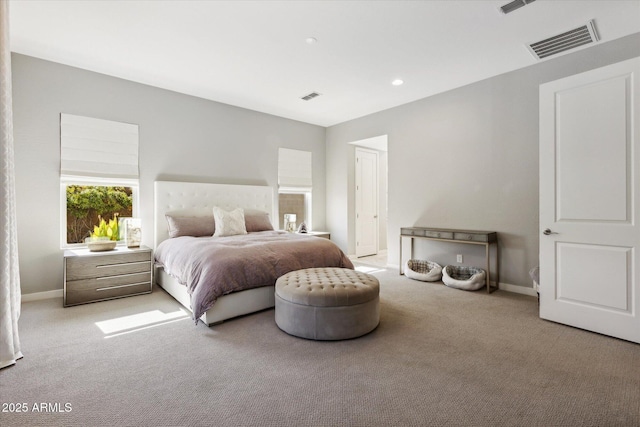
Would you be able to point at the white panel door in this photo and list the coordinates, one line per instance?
(589, 200)
(366, 202)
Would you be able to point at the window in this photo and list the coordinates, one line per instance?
(297, 203)
(85, 202)
(98, 176)
(294, 185)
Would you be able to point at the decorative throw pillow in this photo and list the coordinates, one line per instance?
(228, 223)
(190, 226)
(256, 220)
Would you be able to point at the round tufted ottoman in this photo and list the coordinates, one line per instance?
(327, 303)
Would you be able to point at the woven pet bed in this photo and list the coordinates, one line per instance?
(426, 271)
(466, 278)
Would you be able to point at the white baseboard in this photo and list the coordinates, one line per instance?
(36, 296)
(525, 290)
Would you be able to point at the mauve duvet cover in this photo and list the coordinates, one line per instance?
(211, 267)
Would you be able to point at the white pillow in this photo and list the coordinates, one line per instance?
(228, 223)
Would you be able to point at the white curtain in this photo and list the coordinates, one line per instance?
(98, 148)
(9, 275)
(294, 169)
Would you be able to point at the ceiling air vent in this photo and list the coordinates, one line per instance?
(515, 4)
(310, 96)
(562, 42)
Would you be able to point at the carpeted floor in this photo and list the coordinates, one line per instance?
(377, 260)
(440, 357)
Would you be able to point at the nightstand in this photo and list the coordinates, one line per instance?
(323, 234)
(97, 276)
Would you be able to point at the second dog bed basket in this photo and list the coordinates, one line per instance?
(466, 278)
(426, 271)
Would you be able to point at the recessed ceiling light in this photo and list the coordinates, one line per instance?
(311, 40)
(397, 82)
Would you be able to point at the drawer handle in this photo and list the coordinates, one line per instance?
(122, 286)
(122, 275)
(122, 264)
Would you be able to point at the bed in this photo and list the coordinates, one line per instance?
(173, 200)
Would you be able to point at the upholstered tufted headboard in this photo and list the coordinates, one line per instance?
(198, 199)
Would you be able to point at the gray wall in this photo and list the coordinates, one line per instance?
(182, 138)
(467, 158)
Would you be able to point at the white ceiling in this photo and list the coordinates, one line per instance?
(253, 54)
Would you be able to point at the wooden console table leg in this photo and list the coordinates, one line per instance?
(488, 262)
(400, 263)
(497, 266)
(497, 273)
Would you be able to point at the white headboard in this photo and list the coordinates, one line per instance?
(198, 199)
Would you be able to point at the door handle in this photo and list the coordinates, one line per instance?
(548, 231)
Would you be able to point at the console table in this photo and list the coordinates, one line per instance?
(486, 238)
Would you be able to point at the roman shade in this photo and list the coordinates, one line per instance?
(98, 148)
(294, 169)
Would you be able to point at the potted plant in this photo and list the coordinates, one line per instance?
(105, 235)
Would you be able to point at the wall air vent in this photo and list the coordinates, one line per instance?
(310, 96)
(562, 42)
(515, 4)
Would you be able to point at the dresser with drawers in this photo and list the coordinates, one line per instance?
(97, 276)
